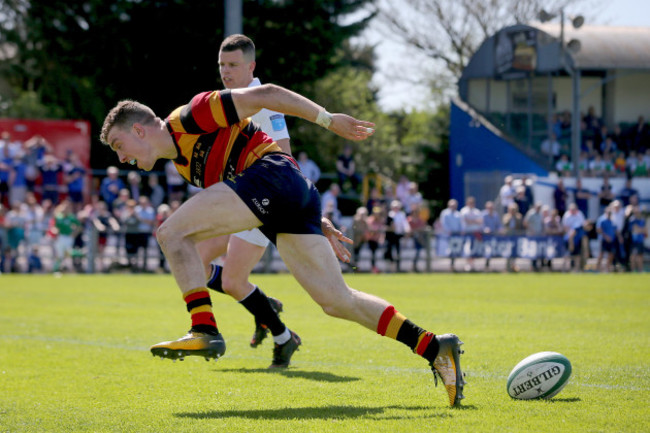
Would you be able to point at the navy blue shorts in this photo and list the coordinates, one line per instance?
(76, 196)
(577, 242)
(279, 195)
(608, 247)
(637, 247)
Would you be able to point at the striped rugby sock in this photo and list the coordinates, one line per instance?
(393, 324)
(199, 306)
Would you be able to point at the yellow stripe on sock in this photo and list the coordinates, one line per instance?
(202, 309)
(394, 325)
(193, 291)
(420, 338)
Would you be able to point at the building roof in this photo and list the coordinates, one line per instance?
(602, 48)
(606, 47)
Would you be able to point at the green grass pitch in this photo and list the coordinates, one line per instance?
(74, 357)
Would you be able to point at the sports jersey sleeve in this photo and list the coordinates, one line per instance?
(206, 113)
(273, 123)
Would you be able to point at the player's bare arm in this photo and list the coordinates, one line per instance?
(270, 96)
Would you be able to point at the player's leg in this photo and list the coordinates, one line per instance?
(314, 265)
(317, 270)
(242, 257)
(212, 212)
(244, 251)
(209, 250)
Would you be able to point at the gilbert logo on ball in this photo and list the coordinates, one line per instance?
(541, 375)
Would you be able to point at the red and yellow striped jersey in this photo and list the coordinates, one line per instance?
(212, 143)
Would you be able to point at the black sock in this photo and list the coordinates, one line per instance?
(257, 303)
(214, 281)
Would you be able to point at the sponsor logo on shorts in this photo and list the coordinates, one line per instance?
(260, 206)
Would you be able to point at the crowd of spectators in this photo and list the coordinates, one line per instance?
(604, 151)
(62, 229)
(391, 214)
(389, 218)
(379, 226)
(53, 213)
(605, 154)
(46, 212)
(48, 209)
(619, 231)
(43, 213)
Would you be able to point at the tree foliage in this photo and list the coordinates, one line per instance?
(77, 58)
(450, 31)
(411, 143)
(82, 56)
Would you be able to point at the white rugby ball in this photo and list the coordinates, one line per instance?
(541, 375)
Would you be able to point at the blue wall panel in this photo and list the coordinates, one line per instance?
(473, 147)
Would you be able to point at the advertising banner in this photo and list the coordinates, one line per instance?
(479, 245)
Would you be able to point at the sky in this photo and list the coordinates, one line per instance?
(393, 60)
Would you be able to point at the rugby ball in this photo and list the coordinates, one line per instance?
(541, 375)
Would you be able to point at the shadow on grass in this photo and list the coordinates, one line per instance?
(317, 376)
(552, 400)
(565, 400)
(464, 407)
(324, 412)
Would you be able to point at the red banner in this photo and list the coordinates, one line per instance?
(63, 135)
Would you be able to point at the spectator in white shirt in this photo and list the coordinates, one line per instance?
(472, 223)
(573, 221)
(308, 167)
(507, 193)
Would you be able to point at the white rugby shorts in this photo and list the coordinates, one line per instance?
(253, 236)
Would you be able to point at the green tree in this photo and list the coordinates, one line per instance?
(411, 143)
(82, 56)
(426, 135)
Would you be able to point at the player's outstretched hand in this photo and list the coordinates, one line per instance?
(335, 238)
(351, 128)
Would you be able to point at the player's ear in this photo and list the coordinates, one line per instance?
(252, 66)
(138, 130)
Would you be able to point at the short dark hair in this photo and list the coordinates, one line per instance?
(125, 114)
(239, 42)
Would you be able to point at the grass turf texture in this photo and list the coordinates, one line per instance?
(75, 357)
